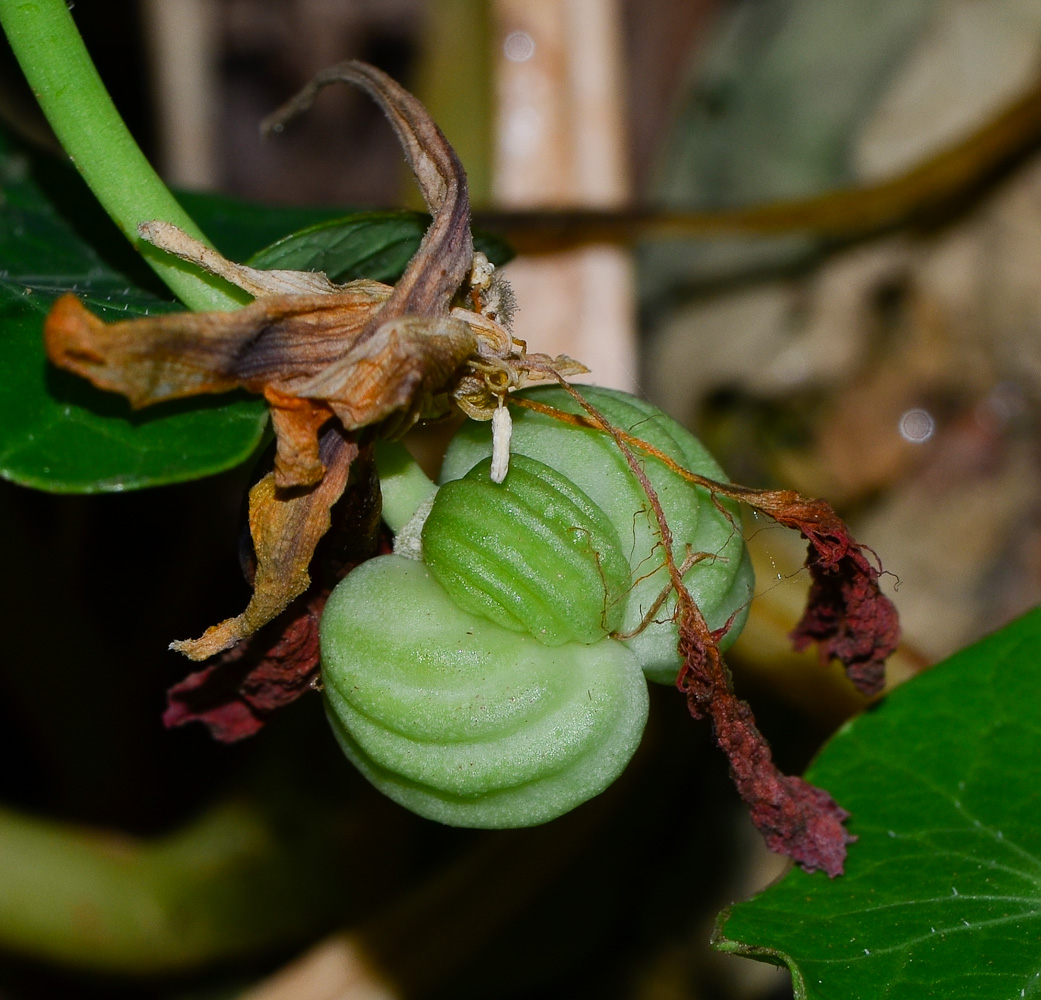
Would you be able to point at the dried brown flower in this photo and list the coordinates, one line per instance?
(331, 360)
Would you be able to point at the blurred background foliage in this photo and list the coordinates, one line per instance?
(896, 372)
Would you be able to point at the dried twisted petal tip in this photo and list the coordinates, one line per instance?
(166, 236)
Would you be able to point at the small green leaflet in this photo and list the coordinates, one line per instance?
(942, 891)
(59, 433)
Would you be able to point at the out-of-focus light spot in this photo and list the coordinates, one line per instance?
(518, 46)
(522, 130)
(917, 425)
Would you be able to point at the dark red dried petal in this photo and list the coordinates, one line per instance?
(236, 694)
(805, 823)
(849, 618)
(210, 696)
(795, 818)
(846, 614)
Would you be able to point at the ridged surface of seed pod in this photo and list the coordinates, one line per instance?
(532, 553)
(720, 582)
(466, 722)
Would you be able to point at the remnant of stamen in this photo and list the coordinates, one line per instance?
(502, 431)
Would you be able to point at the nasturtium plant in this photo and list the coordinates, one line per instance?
(345, 367)
(942, 893)
(492, 671)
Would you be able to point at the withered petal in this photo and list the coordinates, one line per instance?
(286, 528)
(166, 236)
(272, 341)
(147, 360)
(405, 361)
(296, 423)
(443, 260)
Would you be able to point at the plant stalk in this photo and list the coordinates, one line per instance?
(404, 485)
(63, 77)
(234, 882)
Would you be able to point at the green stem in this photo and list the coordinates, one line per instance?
(63, 77)
(403, 483)
(236, 881)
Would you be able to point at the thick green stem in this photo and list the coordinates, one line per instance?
(59, 70)
(403, 483)
(232, 883)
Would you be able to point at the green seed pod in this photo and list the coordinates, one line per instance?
(484, 687)
(464, 721)
(720, 581)
(532, 553)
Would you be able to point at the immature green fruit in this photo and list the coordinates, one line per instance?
(720, 582)
(532, 553)
(464, 721)
(494, 685)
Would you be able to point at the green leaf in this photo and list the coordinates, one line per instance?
(942, 891)
(374, 245)
(57, 432)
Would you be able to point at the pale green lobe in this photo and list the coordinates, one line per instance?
(721, 583)
(466, 722)
(533, 553)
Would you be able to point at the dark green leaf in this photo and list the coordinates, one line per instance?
(374, 245)
(57, 432)
(240, 227)
(942, 892)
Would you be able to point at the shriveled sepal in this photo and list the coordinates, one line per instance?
(286, 527)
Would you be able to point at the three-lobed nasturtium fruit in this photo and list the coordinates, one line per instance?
(501, 680)
(462, 720)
